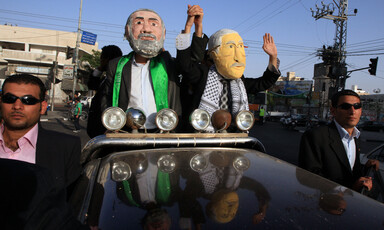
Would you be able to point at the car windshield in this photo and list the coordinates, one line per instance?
(217, 187)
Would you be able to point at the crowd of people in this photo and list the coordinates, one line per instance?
(148, 78)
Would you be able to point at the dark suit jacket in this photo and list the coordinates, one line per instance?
(195, 76)
(94, 82)
(103, 97)
(29, 200)
(322, 152)
(60, 153)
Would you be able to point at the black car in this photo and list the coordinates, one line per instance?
(208, 181)
(294, 120)
(376, 154)
(372, 126)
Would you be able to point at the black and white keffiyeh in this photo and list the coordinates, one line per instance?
(210, 101)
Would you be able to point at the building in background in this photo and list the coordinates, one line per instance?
(359, 91)
(291, 94)
(42, 53)
(373, 104)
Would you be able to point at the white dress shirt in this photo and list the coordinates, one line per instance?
(142, 94)
(349, 142)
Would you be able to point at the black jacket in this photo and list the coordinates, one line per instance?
(322, 152)
(29, 198)
(60, 153)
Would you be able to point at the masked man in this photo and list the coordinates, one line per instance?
(222, 85)
(148, 77)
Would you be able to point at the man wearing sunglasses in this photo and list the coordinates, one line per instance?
(22, 137)
(333, 151)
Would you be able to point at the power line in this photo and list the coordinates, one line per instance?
(59, 18)
(40, 23)
(370, 54)
(271, 15)
(364, 51)
(298, 62)
(366, 42)
(247, 19)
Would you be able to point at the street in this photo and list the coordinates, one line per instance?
(58, 121)
(279, 142)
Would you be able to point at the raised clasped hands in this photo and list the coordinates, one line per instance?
(195, 16)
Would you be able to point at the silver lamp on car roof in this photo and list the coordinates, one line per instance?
(135, 119)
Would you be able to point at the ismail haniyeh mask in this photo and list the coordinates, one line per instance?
(226, 48)
(145, 32)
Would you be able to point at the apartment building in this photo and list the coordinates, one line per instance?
(36, 51)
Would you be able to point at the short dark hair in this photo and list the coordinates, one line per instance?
(110, 52)
(25, 78)
(345, 92)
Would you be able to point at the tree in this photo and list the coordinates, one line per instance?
(88, 62)
(93, 60)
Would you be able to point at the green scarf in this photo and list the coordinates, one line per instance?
(160, 86)
(163, 188)
(159, 80)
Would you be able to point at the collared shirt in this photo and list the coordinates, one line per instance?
(142, 95)
(27, 146)
(147, 182)
(349, 142)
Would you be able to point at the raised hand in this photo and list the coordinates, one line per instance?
(195, 16)
(269, 48)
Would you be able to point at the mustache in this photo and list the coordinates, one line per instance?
(237, 64)
(146, 35)
(17, 113)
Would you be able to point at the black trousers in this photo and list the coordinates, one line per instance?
(76, 122)
(261, 120)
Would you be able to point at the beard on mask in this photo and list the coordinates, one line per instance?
(146, 48)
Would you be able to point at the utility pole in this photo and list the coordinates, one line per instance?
(53, 85)
(335, 55)
(76, 58)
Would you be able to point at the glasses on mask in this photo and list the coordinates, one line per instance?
(9, 98)
(347, 106)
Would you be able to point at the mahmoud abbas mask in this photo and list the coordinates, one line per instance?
(229, 55)
(145, 32)
(223, 206)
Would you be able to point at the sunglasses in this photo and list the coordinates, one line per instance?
(347, 106)
(9, 98)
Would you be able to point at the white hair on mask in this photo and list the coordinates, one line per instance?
(215, 39)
